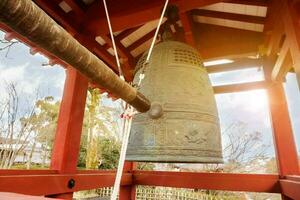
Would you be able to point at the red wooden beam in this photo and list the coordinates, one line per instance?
(230, 16)
(291, 187)
(8, 172)
(123, 53)
(274, 39)
(141, 41)
(98, 50)
(126, 59)
(75, 7)
(217, 41)
(238, 64)
(126, 33)
(186, 21)
(127, 15)
(13, 196)
(209, 181)
(73, 27)
(128, 191)
(58, 183)
(273, 15)
(240, 87)
(291, 20)
(52, 9)
(283, 64)
(4, 172)
(264, 3)
(274, 31)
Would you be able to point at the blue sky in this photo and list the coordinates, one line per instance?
(26, 70)
(293, 98)
(248, 107)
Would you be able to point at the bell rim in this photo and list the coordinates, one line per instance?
(175, 159)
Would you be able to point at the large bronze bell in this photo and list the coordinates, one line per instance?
(182, 125)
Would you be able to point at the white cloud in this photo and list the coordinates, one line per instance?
(13, 73)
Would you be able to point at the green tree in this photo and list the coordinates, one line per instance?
(43, 125)
(99, 146)
(110, 152)
(92, 153)
(99, 142)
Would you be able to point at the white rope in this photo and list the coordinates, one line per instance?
(127, 121)
(130, 110)
(142, 75)
(127, 129)
(112, 39)
(157, 30)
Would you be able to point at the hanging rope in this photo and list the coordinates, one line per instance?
(157, 30)
(113, 41)
(129, 110)
(127, 116)
(142, 74)
(127, 128)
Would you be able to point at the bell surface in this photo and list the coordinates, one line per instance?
(182, 125)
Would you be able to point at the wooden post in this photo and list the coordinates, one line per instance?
(291, 22)
(186, 20)
(283, 40)
(285, 147)
(128, 192)
(67, 139)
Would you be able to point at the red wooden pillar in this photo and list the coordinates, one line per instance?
(285, 147)
(128, 192)
(186, 20)
(67, 139)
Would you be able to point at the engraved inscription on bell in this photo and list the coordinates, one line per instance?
(183, 125)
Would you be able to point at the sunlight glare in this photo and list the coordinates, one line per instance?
(255, 101)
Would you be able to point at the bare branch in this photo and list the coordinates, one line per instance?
(7, 45)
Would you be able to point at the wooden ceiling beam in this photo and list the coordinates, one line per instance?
(141, 41)
(126, 59)
(72, 27)
(98, 50)
(283, 38)
(230, 16)
(291, 22)
(126, 33)
(53, 10)
(283, 64)
(75, 7)
(264, 3)
(238, 64)
(133, 14)
(217, 41)
(240, 87)
(214, 42)
(122, 51)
